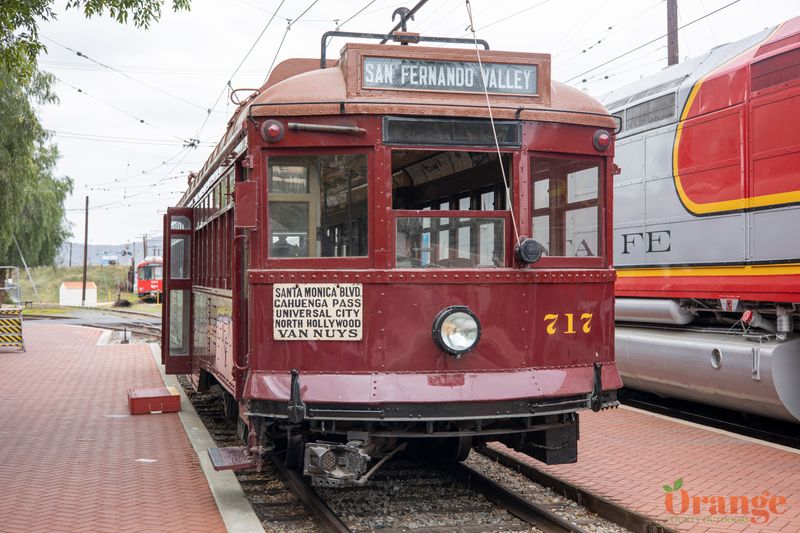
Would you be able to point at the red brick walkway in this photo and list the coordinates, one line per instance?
(73, 460)
(627, 456)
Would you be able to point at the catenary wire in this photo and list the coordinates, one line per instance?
(119, 109)
(507, 186)
(119, 71)
(230, 78)
(651, 41)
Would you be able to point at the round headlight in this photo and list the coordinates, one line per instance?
(456, 330)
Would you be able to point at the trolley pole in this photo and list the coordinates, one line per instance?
(672, 32)
(85, 252)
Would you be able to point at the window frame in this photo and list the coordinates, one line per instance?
(452, 229)
(601, 260)
(428, 211)
(355, 262)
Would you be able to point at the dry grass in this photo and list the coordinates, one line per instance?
(48, 280)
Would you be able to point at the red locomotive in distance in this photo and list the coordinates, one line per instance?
(373, 256)
(150, 278)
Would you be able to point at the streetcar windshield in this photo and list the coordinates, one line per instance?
(436, 181)
(566, 217)
(153, 272)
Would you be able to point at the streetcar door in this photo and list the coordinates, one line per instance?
(176, 315)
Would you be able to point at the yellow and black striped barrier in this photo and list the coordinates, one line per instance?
(11, 328)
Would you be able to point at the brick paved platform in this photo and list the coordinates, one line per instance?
(627, 456)
(71, 457)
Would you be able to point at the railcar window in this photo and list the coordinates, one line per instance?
(151, 272)
(180, 222)
(449, 181)
(566, 206)
(318, 206)
(179, 322)
(179, 256)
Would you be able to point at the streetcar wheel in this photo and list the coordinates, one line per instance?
(448, 449)
(295, 453)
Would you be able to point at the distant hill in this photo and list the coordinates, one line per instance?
(97, 251)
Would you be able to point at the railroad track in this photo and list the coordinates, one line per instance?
(144, 330)
(405, 495)
(122, 322)
(413, 495)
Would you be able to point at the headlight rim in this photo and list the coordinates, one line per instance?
(437, 329)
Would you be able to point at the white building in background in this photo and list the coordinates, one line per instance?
(70, 293)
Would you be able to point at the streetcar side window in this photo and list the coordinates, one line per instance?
(318, 206)
(179, 310)
(566, 217)
(180, 222)
(180, 256)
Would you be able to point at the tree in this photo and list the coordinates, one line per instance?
(19, 30)
(31, 196)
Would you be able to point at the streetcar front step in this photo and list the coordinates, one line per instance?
(231, 458)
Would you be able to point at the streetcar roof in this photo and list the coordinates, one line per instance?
(299, 87)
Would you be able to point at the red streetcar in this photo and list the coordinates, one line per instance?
(150, 278)
(372, 256)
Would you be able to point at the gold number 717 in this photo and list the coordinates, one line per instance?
(553, 320)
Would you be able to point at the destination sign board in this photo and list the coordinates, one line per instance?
(449, 76)
(317, 311)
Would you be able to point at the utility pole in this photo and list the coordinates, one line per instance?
(144, 246)
(70, 255)
(672, 32)
(85, 252)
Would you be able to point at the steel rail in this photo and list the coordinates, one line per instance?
(611, 511)
(531, 512)
(317, 508)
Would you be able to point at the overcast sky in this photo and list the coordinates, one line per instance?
(122, 136)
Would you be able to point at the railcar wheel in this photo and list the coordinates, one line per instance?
(461, 446)
(447, 449)
(295, 452)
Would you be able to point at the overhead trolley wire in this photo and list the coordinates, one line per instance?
(521, 11)
(600, 37)
(283, 39)
(357, 13)
(123, 73)
(430, 22)
(80, 136)
(498, 21)
(119, 109)
(652, 41)
(145, 172)
(616, 72)
(338, 27)
(506, 184)
(230, 78)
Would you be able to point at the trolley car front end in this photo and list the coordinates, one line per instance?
(374, 258)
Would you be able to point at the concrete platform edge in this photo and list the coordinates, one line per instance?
(751, 440)
(235, 509)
